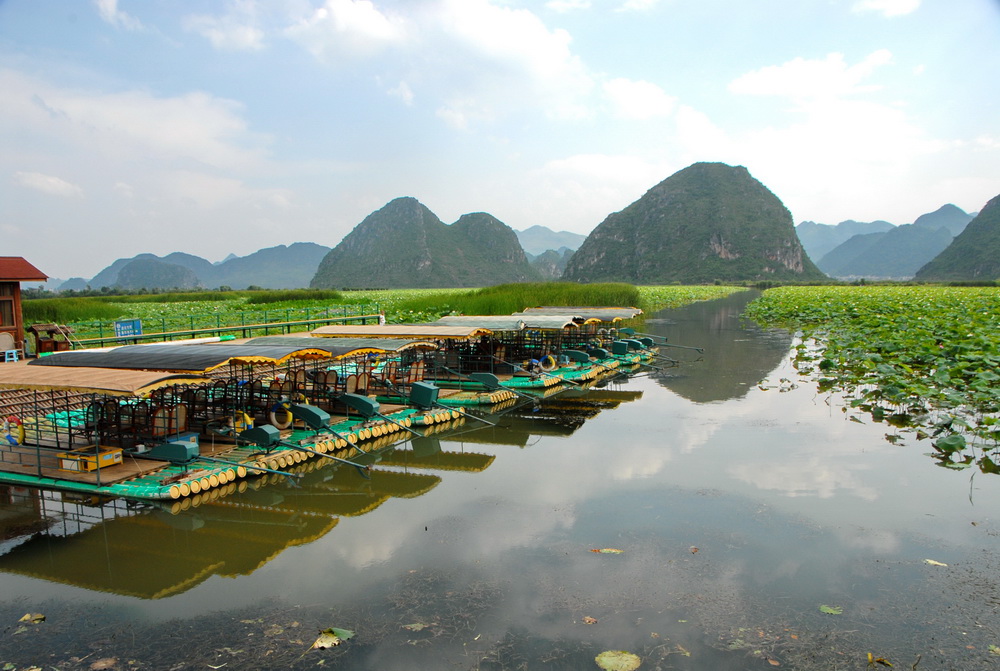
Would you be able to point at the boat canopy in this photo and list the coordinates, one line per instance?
(491, 322)
(517, 322)
(340, 348)
(589, 313)
(110, 381)
(188, 358)
(411, 331)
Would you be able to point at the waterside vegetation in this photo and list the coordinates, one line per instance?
(923, 359)
(91, 316)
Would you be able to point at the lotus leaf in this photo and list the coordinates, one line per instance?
(618, 660)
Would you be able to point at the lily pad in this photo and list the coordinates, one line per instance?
(831, 610)
(329, 638)
(608, 551)
(618, 660)
(33, 618)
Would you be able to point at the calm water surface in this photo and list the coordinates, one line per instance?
(745, 503)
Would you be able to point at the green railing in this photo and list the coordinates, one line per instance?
(241, 324)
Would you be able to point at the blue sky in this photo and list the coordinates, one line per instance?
(221, 127)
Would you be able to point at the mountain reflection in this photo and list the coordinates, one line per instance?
(738, 353)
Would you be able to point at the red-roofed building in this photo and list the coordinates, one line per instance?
(13, 271)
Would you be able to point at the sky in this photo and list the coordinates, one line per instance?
(226, 126)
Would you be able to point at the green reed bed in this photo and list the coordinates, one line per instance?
(926, 359)
(510, 298)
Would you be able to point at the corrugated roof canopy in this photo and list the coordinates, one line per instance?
(343, 347)
(491, 322)
(16, 268)
(588, 312)
(516, 322)
(187, 358)
(412, 331)
(90, 379)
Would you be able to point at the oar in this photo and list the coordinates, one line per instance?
(402, 426)
(393, 387)
(250, 466)
(472, 379)
(347, 440)
(362, 469)
(668, 344)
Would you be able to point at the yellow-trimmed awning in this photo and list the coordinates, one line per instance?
(111, 381)
(199, 358)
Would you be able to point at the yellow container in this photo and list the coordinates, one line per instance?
(89, 458)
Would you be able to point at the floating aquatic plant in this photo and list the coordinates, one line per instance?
(925, 359)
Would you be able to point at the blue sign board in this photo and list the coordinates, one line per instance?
(127, 328)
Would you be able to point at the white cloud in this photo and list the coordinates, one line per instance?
(210, 192)
(575, 192)
(237, 30)
(563, 6)
(802, 78)
(48, 184)
(109, 12)
(699, 138)
(518, 60)
(193, 126)
(637, 5)
(403, 92)
(887, 8)
(346, 29)
(638, 99)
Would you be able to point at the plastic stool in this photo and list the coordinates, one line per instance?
(11, 355)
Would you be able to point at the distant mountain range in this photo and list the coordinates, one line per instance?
(537, 240)
(973, 255)
(820, 239)
(708, 222)
(281, 267)
(878, 250)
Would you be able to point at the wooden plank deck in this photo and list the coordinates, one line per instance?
(24, 461)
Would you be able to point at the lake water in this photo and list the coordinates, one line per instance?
(759, 526)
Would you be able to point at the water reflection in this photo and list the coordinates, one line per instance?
(112, 546)
(738, 353)
(109, 546)
(482, 536)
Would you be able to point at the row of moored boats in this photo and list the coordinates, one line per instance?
(170, 420)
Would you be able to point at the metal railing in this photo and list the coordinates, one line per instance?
(238, 325)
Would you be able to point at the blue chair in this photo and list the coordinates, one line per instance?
(11, 355)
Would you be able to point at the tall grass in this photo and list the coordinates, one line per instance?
(65, 310)
(505, 299)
